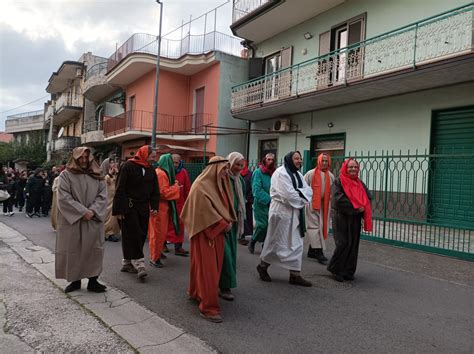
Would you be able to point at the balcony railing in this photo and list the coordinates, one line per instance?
(92, 126)
(242, 8)
(95, 75)
(142, 121)
(433, 39)
(27, 114)
(66, 143)
(69, 100)
(173, 49)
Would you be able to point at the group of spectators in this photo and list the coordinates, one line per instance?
(28, 189)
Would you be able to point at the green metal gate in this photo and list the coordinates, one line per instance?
(452, 134)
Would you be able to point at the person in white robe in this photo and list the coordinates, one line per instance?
(82, 205)
(286, 225)
(320, 179)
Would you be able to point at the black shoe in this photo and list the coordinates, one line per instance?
(348, 277)
(299, 280)
(112, 238)
(262, 271)
(252, 246)
(75, 285)
(95, 286)
(20, 209)
(157, 264)
(338, 277)
(312, 252)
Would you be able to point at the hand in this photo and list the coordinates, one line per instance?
(228, 228)
(361, 209)
(88, 216)
(154, 212)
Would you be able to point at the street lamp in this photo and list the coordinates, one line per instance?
(157, 81)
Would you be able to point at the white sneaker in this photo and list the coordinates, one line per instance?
(11, 213)
(6, 214)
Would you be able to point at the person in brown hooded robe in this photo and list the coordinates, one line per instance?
(82, 205)
(207, 215)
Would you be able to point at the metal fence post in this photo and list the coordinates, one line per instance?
(385, 197)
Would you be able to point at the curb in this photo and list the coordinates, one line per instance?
(141, 328)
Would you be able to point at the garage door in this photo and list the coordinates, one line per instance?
(451, 197)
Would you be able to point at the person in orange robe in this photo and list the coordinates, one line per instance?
(207, 215)
(158, 224)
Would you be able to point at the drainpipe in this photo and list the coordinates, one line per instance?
(247, 151)
(157, 80)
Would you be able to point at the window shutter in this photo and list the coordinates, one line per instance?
(286, 54)
(255, 68)
(324, 43)
(355, 32)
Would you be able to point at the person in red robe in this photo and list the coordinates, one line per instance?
(207, 215)
(182, 176)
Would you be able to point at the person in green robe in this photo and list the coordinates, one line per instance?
(261, 180)
(228, 277)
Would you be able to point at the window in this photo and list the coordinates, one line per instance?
(333, 145)
(278, 85)
(198, 119)
(266, 147)
(348, 64)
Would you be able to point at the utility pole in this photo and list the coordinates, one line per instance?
(157, 80)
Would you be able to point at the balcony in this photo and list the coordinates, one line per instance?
(175, 49)
(258, 20)
(60, 80)
(66, 143)
(68, 107)
(92, 133)
(431, 53)
(135, 124)
(25, 122)
(95, 86)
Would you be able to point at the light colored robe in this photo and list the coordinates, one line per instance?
(314, 218)
(283, 243)
(54, 205)
(80, 243)
(111, 226)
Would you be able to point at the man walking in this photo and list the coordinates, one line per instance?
(136, 193)
(34, 193)
(317, 212)
(286, 226)
(82, 201)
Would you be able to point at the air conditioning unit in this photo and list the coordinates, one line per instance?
(282, 125)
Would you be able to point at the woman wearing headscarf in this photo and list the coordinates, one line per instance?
(261, 198)
(169, 193)
(350, 203)
(229, 267)
(207, 215)
(286, 225)
(246, 174)
(317, 212)
(136, 196)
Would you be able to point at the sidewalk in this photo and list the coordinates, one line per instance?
(36, 314)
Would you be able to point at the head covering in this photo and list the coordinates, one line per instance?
(245, 170)
(268, 170)
(316, 187)
(73, 165)
(180, 167)
(141, 156)
(209, 199)
(355, 191)
(165, 163)
(233, 158)
(105, 166)
(297, 182)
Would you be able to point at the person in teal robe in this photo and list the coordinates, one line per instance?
(261, 180)
(228, 277)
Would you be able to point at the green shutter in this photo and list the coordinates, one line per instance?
(452, 176)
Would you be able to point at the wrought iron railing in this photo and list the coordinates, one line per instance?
(242, 8)
(66, 143)
(26, 114)
(173, 49)
(92, 126)
(142, 121)
(96, 69)
(432, 39)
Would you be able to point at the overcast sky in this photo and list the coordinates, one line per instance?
(36, 36)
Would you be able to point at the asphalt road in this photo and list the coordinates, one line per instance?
(401, 301)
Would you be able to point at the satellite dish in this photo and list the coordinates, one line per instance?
(61, 132)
